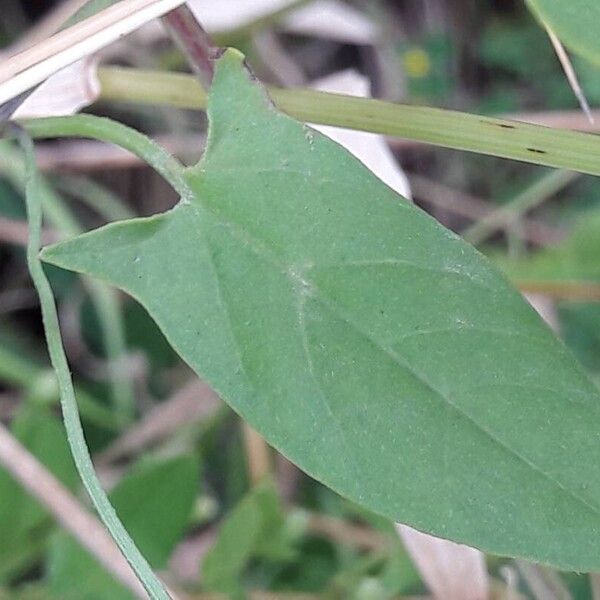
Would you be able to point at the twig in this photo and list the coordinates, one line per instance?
(66, 509)
(193, 41)
(193, 402)
(186, 559)
(349, 534)
(277, 60)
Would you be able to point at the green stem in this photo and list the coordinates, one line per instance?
(72, 421)
(462, 131)
(158, 158)
(166, 165)
(545, 187)
(107, 130)
(105, 300)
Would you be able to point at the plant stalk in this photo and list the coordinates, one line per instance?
(514, 140)
(107, 130)
(75, 435)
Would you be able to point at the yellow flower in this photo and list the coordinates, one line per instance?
(417, 63)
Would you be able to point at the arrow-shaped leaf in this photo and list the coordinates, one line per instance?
(374, 348)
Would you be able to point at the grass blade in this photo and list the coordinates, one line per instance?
(447, 128)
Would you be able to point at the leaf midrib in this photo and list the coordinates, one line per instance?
(309, 287)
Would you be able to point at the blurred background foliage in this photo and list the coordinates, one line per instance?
(180, 466)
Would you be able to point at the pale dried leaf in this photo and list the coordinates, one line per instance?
(546, 308)
(451, 571)
(332, 20)
(65, 93)
(226, 15)
(371, 149)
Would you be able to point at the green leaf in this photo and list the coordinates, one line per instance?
(371, 346)
(154, 502)
(575, 22)
(21, 517)
(254, 528)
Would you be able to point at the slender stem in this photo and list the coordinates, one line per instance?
(545, 187)
(75, 434)
(107, 130)
(450, 129)
(193, 41)
(105, 300)
(66, 509)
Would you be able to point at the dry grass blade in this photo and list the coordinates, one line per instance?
(193, 402)
(66, 509)
(29, 68)
(567, 66)
(49, 24)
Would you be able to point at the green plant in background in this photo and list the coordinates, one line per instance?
(575, 23)
(377, 350)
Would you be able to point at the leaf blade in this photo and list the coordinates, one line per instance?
(374, 348)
